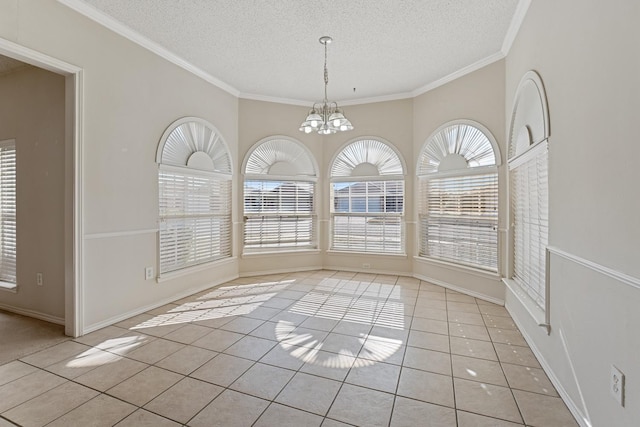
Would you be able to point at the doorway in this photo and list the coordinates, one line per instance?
(47, 291)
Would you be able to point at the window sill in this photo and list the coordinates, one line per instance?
(8, 287)
(194, 269)
(288, 251)
(534, 310)
(388, 254)
(485, 274)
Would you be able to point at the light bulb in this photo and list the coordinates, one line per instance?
(336, 122)
(343, 127)
(314, 123)
(307, 129)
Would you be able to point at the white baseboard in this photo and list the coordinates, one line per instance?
(279, 271)
(573, 408)
(368, 271)
(460, 289)
(94, 327)
(33, 313)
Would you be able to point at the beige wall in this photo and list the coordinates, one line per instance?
(478, 96)
(32, 111)
(391, 121)
(258, 120)
(587, 55)
(130, 97)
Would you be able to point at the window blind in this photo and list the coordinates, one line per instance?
(459, 219)
(367, 216)
(8, 212)
(195, 218)
(530, 207)
(279, 214)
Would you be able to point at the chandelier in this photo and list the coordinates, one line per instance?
(325, 117)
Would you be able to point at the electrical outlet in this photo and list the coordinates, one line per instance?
(148, 273)
(617, 385)
(366, 265)
(39, 281)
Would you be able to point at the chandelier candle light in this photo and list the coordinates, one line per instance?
(325, 117)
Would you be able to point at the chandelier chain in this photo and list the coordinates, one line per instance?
(326, 74)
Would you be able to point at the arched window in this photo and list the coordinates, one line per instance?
(458, 203)
(367, 198)
(529, 188)
(279, 188)
(194, 181)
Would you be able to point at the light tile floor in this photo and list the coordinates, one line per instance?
(328, 348)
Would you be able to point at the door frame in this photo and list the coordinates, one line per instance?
(73, 228)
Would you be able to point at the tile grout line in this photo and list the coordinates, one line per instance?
(404, 354)
(335, 291)
(453, 382)
(502, 370)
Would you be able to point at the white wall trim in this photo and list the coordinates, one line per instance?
(32, 313)
(74, 288)
(279, 271)
(460, 73)
(126, 32)
(514, 26)
(575, 410)
(164, 301)
(459, 289)
(120, 233)
(275, 99)
(36, 58)
(617, 275)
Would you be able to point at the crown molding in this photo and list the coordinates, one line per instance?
(275, 99)
(374, 99)
(514, 27)
(308, 104)
(126, 32)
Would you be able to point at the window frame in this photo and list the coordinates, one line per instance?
(425, 174)
(371, 219)
(195, 153)
(529, 131)
(296, 165)
(9, 274)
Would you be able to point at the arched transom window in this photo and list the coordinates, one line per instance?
(279, 188)
(194, 181)
(367, 193)
(529, 191)
(458, 196)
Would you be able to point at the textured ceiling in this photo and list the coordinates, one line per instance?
(269, 48)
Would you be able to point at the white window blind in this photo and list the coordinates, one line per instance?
(8, 211)
(367, 216)
(458, 196)
(278, 214)
(459, 219)
(530, 207)
(195, 218)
